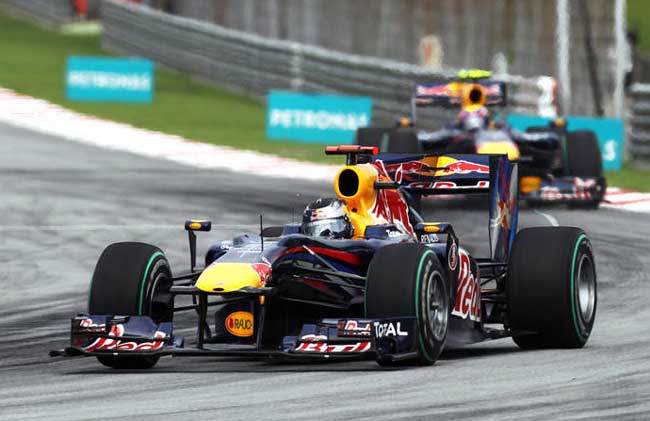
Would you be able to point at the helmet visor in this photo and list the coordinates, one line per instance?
(333, 227)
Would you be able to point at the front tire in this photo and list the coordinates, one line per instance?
(132, 279)
(551, 288)
(406, 280)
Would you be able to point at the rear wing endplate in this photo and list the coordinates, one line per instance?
(494, 175)
(450, 94)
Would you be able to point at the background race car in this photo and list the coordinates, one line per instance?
(393, 288)
(557, 165)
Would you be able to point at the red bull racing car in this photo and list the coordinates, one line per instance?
(363, 276)
(556, 165)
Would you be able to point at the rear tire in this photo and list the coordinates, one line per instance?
(373, 136)
(585, 160)
(551, 288)
(132, 279)
(404, 140)
(407, 280)
(539, 129)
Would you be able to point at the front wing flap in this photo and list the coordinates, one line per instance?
(388, 339)
(102, 334)
(567, 189)
(380, 337)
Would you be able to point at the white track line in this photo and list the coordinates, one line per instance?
(45, 117)
(550, 218)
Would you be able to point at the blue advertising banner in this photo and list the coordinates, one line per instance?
(109, 79)
(609, 131)
(316, 118)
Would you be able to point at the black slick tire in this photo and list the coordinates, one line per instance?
(539, 129)
(404, 140)
(373, 136)
(585, 160)
(407, 280)
(131, 279)
(551, 288)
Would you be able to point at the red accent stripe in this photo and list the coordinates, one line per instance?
(629, 202)
(317, 285)
(611, 192)
(336, 254)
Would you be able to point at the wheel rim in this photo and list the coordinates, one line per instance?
(158, 295)
(586, 290)
(437, 306)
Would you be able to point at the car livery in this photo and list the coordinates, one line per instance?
(556, 165)
(399, 291)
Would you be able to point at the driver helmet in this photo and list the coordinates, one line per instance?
(473, 120)
(326, 217)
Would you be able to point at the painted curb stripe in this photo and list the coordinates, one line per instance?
(51, 119)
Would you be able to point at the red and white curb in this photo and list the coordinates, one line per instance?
(627, 199)
(44, 117)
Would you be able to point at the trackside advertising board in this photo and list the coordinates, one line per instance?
(109, 79)
(316, 118)
(609, 131)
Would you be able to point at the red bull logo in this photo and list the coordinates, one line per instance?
(464, 167)
(408, 167)
(263, 270)
(440, 167)
(432, 90)
(390, 205)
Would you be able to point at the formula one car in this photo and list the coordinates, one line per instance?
(557, 165)
(364, 276)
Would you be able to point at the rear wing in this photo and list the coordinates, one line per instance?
(493, 175)
(449, 174)
(452, 94)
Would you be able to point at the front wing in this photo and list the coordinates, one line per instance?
(566, 190)
(390, 339)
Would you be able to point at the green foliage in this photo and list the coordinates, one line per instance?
(638, 19)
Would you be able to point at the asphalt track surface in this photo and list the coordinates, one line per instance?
(61, 203)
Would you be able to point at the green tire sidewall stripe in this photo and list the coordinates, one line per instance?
(417, 304)
(574, 313)
(143, 283)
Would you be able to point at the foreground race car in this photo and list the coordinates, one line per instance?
(556, 165)
(391, 288)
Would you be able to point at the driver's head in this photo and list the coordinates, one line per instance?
(326, 218)
(474, 120)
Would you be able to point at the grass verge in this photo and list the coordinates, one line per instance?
(629, 178)
(638, 16)
(33, 62)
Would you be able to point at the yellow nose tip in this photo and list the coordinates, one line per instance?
(499, 148)
(228, 277)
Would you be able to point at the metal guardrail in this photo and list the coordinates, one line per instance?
(47, 12)
(255, 65)
(639, 124)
